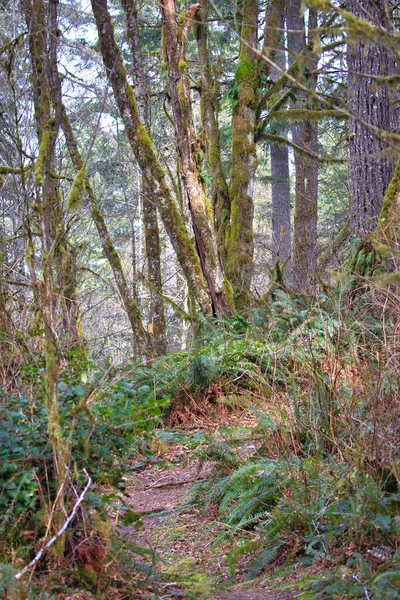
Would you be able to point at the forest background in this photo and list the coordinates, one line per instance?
(201, 202)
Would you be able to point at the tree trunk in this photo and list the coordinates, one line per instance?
(305, 135)
(156, 329)
(244, 156)
(281, 227)
(143, 150)
(47, 203)
(190, 152)
(388, 228)
(370, 171)
(210, 135)
(280, 191)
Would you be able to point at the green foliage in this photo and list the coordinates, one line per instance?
(232, 93)
(99, 438)
(323, 492)
(248, 495)
(23, 447)
(201, 372)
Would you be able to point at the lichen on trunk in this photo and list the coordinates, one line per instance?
(210, 134)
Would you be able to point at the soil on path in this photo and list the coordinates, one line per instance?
(178, 538)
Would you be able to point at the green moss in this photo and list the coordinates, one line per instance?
(304, 114)
(359, 29)
(75, 196)
(324, 5)
(143, 136)
(182, 18)
(131, 97)
(47, 137)
(5, 170)
(180, 88)
(1, 181)
(392, 191)
(182, 65)
(388, 224)
(29, 252)
(229, 295)
(245, 71)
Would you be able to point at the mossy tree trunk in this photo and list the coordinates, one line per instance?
(143, 150)
(47, 198)
(388, 229)
(250, 75)
(190, 151)
(370, 168)
(305, 135)
(131, 308)
(156, 329)
(210, 135)
(244, 156)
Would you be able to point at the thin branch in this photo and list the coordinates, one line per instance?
(60, 532)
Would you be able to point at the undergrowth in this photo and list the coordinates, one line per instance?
(322, 483)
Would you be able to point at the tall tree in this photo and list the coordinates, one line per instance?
(211, 135)
(304, 135)
(370, 166)
(157, 333)
(244, 153)
(280, 191)
(43, 40)
(175, 35)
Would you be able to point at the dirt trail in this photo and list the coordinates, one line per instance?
(179, 538)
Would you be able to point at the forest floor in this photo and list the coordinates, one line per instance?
(179, 539)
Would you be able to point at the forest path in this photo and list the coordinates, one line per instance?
(178, 535)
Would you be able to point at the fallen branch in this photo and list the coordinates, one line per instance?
(60, 532)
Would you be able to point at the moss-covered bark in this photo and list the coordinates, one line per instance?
(244, 126)
(388, 229)
(244, 156)
(47, 202)
(333, 248)
(175, 32)
(210, 135)
(144, 153)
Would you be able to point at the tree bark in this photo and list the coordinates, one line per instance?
(280, 191)
(190, 152)
(244, 156)
(281, 227)
(47, 118)
(370, 167)
(305, 135)
(143, 150)
(210, 135)
(157, 334)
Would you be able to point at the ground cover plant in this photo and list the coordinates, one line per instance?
(317, 485)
